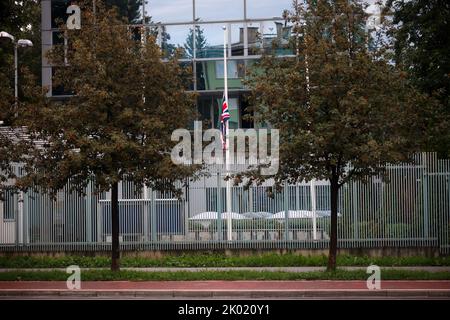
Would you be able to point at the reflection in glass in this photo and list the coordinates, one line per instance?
(200, 42)
(201, 75)
(210, 10)
(209, 107)
(271, 37)
(58, 89)
(233, 107)
(58, 11)
(206, 106)
(237, 39)
(210, 74)
(57, 38)
(235, 70)
(213, 37)
(187, 75)
(171, 38)
(260, 9)
(163, 11)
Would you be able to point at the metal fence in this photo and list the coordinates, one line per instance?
(411, 208)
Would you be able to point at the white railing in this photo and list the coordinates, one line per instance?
(410, 208)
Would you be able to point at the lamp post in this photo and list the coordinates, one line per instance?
(20, 43)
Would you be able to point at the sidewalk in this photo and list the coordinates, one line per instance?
(226, 289)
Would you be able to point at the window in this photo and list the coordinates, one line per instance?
(57, 38)
(269, 37)
(233, 107)
(59, 89)
(172, 37)
(257, 9)
(213, 10)
(162, 11)
(232, 71)
(59, 15)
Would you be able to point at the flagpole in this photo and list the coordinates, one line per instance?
(227, 138)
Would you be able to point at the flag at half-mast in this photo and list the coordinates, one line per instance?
(224, 118)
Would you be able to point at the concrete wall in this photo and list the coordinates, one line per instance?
(370, 252)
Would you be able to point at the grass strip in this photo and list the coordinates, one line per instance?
(106, 275)
(217, 260)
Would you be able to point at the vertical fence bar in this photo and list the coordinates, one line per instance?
(145, 213)
(16, 220)
(100, 207)
(286, 212)
(425, 195)
(313, 207)
(219, 208)
(153, 217)
(411, 208)
(88, 206)
(355, 208)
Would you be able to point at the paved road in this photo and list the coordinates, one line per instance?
(227, 289)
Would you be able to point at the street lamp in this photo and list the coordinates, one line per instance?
(20, 43)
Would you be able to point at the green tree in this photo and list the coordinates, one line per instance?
(342, 110)
(422, 47)
(200, 45)
(200, 41)
(22, 20)
(168, 49)
(130, 9)
(116, 126)
(422, 42)
(6, 158)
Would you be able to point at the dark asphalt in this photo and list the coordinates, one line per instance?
(322, 289)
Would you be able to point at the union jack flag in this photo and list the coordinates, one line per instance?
(224, 117)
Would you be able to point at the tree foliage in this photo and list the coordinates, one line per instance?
(342, 110)
(130, 9)
(6, 158)
(117, 119)
(118, 123)
(21, 19)
(422, 47)
(422, 42)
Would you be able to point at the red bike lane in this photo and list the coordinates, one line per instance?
(228, 285)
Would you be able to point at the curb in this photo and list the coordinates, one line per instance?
(222, 294)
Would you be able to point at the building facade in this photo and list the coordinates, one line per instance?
(410, 209)
(197, 27)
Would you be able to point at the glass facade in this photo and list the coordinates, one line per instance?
(58, 10)
(254, 26)
(196, 26)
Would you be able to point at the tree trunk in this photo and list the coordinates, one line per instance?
(334, 189)
(115, 254)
